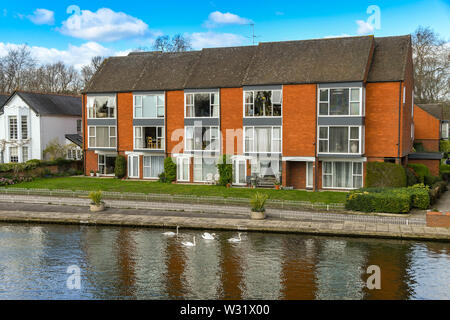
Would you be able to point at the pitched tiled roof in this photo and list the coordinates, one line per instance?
(436, 110)
(76, 139)
(291, 62)
(3, 99)
(389, 58)
(51, 104)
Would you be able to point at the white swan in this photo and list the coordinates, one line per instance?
(188, 243)
(171, 234)
(235, 239)
(209, 236)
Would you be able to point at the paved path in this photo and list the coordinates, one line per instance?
(130, 219)
(443, 204)
(221, 210)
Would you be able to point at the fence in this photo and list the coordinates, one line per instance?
(151, 197)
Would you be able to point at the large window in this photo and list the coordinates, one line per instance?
(263, 103)
(149, 138)
(106, 164)
(340, 140)
(102, 137)
(13, 134)
(444, 130)
(101, 107)
(24, 127)
(340, 102)
(202, 105)
(342, 175)
(204, 169)
(262, 139)
(149, 106)
(202, 138)
(14, 154)
(153, 166)
(25, 156)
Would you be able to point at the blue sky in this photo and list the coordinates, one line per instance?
(112, 27)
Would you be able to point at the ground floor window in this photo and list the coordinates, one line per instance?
(25, 156)
(106, 164)
(133, 166)
(342, 175)
(266, 167)
(74, 154)
(205, 168)
(13, 154)
(183, 168)
(153, 166)
(309, 174)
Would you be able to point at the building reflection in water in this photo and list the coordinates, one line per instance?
(126, 263)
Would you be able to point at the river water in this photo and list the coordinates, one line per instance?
(128, 263)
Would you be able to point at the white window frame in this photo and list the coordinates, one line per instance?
(158, 106)
(16, 156)
(271, 142)
(308, 164)
(104, 164)
(350, 101)
(24, 125)
(209, 129)
(162, 137)
(150, 166)
(253, 103)
(27, 153)
(180, 163)
(88, 107)
(11, 129)
(360, 131)
(95, 137)
(131, 166)
(444, 126)
(211, 105)
(332, 174)
(201, 167)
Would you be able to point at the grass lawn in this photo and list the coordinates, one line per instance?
(114, 185)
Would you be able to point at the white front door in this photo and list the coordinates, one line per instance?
(133, 167)
(239, 172)
(309, 174)
(183, 169)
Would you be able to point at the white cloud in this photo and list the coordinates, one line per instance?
(211, 39)
(364, 27)
(218, 18)
(77, 56)
(42, 16)
(104, 25)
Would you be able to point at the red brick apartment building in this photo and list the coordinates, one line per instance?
(310, 113)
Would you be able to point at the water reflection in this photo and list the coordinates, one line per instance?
(125, 263)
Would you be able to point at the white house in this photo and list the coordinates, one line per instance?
(30, 121)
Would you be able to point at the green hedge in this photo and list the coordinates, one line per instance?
(420, 170)
(383, 174)
(378, 202)
(389, 200)
(437, 190)
(225, 169)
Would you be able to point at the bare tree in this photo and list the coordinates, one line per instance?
(15, 67)
(87, 72)
(431, 56)
(178, 43)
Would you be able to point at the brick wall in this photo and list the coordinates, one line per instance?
(438, 219)
(296, 175)
(382, 119)
(429, 144)
(299, 120)
(125, 122)
(427, 128)
(174, 121)
(91, 161)
(433, 165)
(231, 118)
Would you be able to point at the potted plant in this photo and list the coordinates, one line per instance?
(277, 184)
(97, 174)
(92, 173)
(228, 185)
(97, 205)
(258, 210)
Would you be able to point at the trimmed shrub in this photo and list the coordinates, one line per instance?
(225, 171)
(121, 167)
(437, 190)
(420, 197)
(444, 170)
(411, 178)
(170, 170)
(420, 170)
(383, 174)
(398, 202)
